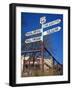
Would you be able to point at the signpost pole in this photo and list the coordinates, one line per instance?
(42, 21)
(42, 50)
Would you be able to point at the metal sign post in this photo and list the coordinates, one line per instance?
(42, 21)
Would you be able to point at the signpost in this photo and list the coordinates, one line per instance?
(43, 33)
(42, 21)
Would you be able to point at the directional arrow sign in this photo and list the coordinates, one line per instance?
(35, 39)
(50, 31)
(57, 21)
(33, 32)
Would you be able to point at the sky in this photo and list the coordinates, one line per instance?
(54, 41)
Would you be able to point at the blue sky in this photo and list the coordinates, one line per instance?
(31, 21)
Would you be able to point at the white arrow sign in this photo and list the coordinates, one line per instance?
(35, 39)
(33, 32)
(57, 21)
(50, 31)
